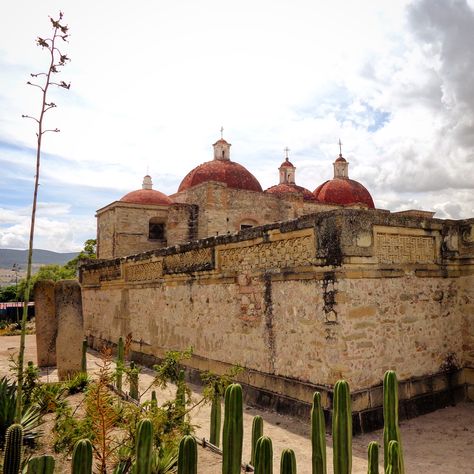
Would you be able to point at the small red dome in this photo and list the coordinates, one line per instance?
(289, 188)
(343, 191)
(224, 171)
(287, 163)
(147, 196)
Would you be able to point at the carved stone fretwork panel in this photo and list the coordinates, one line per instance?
(286, 253)
(399, 248)
(111, 272)
(145, 271)
(192, 261)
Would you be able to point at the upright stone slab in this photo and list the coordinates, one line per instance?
(46, 323)
(70, 328)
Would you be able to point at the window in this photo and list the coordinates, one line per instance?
(245, 226)
(156, 229)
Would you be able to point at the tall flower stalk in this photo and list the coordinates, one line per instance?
(43, 80)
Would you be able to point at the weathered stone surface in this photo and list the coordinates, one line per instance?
(68, 302)
(300, 300)
(46, 323)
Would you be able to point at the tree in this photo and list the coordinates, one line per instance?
(43, 80)
(8, 293)
(87, 253)
(58, 272)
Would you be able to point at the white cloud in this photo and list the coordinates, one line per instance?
(153, 82)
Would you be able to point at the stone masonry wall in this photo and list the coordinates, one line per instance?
(345, 293)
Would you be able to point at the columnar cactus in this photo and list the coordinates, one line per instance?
(120, 362)
(153, 401)
(41, 465)
(181, 393)
(394, 458)
(215, 434)
(264, 456)
(391, 430)
(373, 458)
(82, 457)
(233, 430)
(257, 433)
(133, 381)
(342, 428)
(84, 356)
(288, 462)
(13, 446)
(318, 436)
(187, 457)
(143, 447)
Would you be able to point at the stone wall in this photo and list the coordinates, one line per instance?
(122, 229)
(345, 293)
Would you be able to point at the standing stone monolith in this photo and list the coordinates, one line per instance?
(70, 328)
(46, 323)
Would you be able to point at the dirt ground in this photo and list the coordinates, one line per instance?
(438, 443)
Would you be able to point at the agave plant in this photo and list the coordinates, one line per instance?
(31, 416)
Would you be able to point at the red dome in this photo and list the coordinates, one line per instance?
(343, 191)
(224, 171)
(147, 196)
(288, 188)
(287, 163)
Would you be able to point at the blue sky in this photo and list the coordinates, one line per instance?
(152, 82)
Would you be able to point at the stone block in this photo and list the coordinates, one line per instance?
(362, 312)
(46, 323)
(67, 294)
(376, 396)
(360, 400)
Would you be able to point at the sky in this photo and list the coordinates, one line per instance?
(153, 81)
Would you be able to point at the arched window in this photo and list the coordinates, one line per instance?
(156, 229)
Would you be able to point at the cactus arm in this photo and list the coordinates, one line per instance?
(373, 458)
(84, 356)
(187, 457)
(233, 430)
(288, 462)
(143, 448)
(120, 362)
(342, 428)
(82, 457)
(391, 430)
(318, 436)
(394, 460)
(13, 449)
(264, 456)
(257, 433)
(215, 420)
(41, 465)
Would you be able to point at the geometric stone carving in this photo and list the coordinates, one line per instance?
(400, 248)
(191, 261)
(110, 272)
(147, 271)
(287, 253)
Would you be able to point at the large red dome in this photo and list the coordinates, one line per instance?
(224, 171)
(343, 191)
(147, 196)
(291, 188)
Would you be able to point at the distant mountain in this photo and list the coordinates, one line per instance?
(40, 257)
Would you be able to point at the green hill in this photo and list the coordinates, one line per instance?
(40, 257)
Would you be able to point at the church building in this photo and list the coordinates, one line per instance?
(300, 287)
(218, 197)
